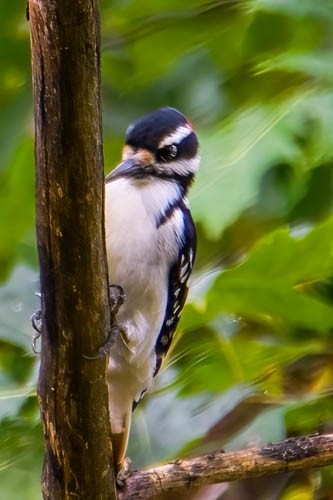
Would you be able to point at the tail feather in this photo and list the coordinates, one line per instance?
(120, 428)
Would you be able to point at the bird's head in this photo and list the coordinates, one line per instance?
(161, 144)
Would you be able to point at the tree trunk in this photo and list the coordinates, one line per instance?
(65, 44)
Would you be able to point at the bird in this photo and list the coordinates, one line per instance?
(151, 246)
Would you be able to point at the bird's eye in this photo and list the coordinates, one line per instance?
(168, 152)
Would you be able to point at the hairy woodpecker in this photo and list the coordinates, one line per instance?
(151, 245)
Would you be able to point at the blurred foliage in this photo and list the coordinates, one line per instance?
(253, 357)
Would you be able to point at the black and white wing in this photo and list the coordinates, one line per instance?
(178, 289)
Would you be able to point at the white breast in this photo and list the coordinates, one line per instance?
(140, 255)
(139, 259)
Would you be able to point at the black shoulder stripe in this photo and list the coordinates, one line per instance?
(168, 213)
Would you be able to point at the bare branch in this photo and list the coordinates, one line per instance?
(181, 476)
(65, 44)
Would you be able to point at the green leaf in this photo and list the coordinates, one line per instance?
(264, 286)
(306, 416)
(21, 451)
(16, 203)
(13, 119)
(235, 157)
(322, 9)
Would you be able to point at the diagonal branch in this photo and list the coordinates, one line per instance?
(182, 476)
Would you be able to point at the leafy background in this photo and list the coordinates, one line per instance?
(253, 358)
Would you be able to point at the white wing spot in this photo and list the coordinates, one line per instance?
(184, 265)
(184, 273)
(183, 278)
(164, 340)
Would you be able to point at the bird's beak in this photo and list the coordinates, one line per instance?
(132, 164)
(126, 167)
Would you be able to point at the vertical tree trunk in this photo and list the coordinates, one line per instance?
(65, 43)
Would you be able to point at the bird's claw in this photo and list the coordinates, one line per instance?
(123, 472)
(104, 349)
(36, 319)
(36, 322)
(117, 298)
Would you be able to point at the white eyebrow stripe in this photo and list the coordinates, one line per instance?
(176, 137)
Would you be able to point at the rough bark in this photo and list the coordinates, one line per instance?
(65, 44)
(181, 477)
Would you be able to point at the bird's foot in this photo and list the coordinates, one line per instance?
(123, 472)
(36, 322)
(117, 298)
(104, 350)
